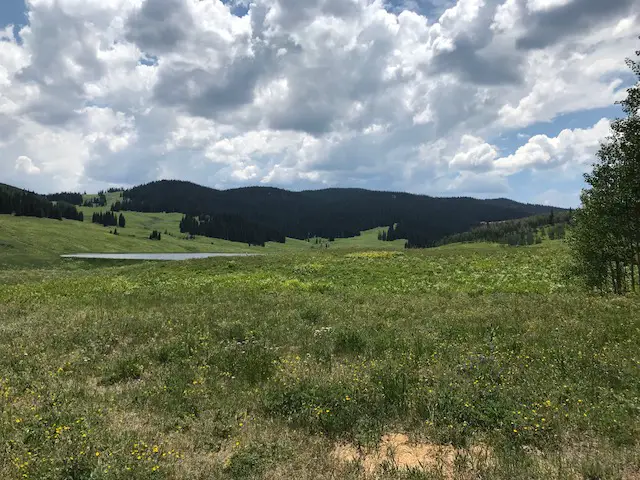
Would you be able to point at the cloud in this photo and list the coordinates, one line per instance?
(160, 25)
(303, 94)
(474, 155)
(25, 165)
(571, 149)
(551, 21)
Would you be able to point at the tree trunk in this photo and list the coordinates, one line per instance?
(620, 277)
(636, 260)
(633, 268)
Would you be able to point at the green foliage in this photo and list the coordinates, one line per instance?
(525, 231)
(124, 370)
(606, 240)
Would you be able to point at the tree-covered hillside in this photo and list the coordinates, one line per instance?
(330, 213)
(24, 203)
(69, 197)
(523, 231)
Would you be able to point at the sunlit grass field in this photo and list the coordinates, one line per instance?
(472, 361)
(32, 241)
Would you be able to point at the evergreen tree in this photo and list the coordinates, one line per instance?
(121, 221)
(530, 238)
(24, 203)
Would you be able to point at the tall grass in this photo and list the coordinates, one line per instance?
(261, 367)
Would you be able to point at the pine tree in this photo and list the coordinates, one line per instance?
(121, 221)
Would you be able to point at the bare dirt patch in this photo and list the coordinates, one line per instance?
(396, 451)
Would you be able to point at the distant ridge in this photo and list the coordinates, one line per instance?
(329, 213)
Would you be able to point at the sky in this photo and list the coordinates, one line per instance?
(483, 98)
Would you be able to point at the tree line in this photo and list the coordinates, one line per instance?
(98, 201)
(606, 238)
(68, 197)
(109, 219)
(28, 204)
(229, 227)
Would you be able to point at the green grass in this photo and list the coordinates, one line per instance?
(32, 241)
(261, 367)
(28, 241)
(369, 239)
(112, 197)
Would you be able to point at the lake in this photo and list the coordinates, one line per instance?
(154, 256)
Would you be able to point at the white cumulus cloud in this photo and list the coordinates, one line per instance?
(303, 94)
(25, 165)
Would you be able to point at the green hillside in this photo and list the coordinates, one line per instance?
(36, 240)
(26, 240)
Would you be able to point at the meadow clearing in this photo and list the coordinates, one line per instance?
(465, 361)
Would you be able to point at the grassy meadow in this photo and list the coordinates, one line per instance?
(31, 242)
(348, 362)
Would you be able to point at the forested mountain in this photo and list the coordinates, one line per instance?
(28, 204)
(325, 213)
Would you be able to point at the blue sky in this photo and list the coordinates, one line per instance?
(440, 97)
(13, 12)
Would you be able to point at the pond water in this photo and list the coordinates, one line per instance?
(154, 256)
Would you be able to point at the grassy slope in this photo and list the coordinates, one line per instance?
(32, 240)
(25, 240)
(259, 367)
